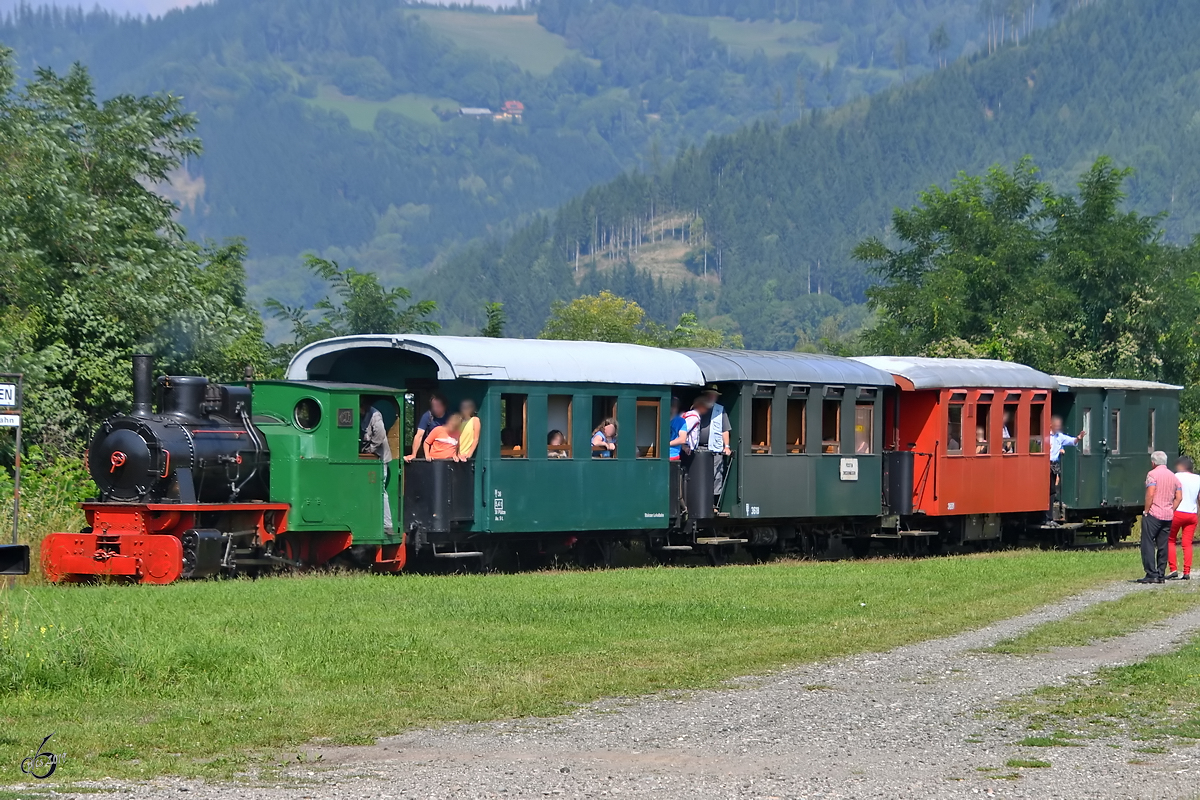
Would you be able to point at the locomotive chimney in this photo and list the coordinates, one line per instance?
(143, 386)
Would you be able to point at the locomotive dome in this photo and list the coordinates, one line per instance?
(528, 360)
(960, 373)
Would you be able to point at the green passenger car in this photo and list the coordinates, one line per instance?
(518, 485)
(1122, 422)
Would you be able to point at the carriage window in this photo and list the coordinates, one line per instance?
(1114, 431)
(513, 440)
(760, 425)
(1086, 444)
(796, 425)
(831, 426)
(1150, 440)
(604, 410)
(649, 414)
(1036, 414)
(1009, 430)
(983, 419)
(954, 429)
(558, 426)
(864, 428)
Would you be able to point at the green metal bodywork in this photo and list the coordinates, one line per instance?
(319, 472)
(1109, 470)
(541, 494)
(783, 485)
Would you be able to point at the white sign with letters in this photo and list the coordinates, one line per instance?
(8, 394)
(10, 420)
(849, 469)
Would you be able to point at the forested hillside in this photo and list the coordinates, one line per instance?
(334, 125)
(775, 211)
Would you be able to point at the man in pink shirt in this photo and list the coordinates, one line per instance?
(1163, 494)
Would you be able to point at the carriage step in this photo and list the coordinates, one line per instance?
(710, 540)
(1103, 523)
(677, 548)
(1062, 526)
(918, 533)
(885, 536)
(459, 554)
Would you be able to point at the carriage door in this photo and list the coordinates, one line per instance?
(1117, 461)
(1084, 466)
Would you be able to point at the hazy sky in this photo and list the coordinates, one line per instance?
(146, 6)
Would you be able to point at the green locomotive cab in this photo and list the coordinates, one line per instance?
(336, 492)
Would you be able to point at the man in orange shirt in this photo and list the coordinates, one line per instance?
(1163, 494)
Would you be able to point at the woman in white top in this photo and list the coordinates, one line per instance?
(1183, 523)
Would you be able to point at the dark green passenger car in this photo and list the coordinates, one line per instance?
(1122, 422)
(516, 485)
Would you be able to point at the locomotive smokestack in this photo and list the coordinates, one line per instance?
(143, 386)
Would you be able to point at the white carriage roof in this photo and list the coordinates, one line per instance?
(786, 367)
(965, 373)
(526, 360)
(1066, 384)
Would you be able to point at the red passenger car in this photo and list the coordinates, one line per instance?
(978, 434)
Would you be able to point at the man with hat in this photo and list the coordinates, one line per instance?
(716, 435)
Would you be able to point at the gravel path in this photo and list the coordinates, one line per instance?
(909, 723)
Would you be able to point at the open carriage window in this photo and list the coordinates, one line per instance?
(558, 426)
(954, 428)
(1086, 444)
(1150, 433)
(760, 425)
(864, 429)
(649, 415)
(604, 426)
(514, 441)
(983, 420)
(1114, 431)
(1008, 426)
(1037, 413)
(797, 426)
(831, 426)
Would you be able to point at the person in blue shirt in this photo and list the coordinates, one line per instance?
(1058, 440)
(678, 430)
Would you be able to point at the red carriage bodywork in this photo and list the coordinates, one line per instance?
(939, 399)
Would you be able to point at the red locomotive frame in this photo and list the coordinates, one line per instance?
(143, 541)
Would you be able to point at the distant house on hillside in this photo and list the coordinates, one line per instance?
(475, 112)
(511, 110)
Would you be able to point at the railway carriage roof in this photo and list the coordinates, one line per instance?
(783, 367)
(1067, 384)
(524, 360)
(964, 373)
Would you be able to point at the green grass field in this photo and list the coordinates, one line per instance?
(774, 38)
(207, 678)
(362, 113)
(517, 37)
(1106, 620)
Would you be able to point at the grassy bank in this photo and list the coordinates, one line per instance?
(205, 678)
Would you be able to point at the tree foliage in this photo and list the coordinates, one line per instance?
(605, 317)
(360, 304)
(93, 266)
(1004, 266)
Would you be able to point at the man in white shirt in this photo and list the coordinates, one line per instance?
(1058, 440)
